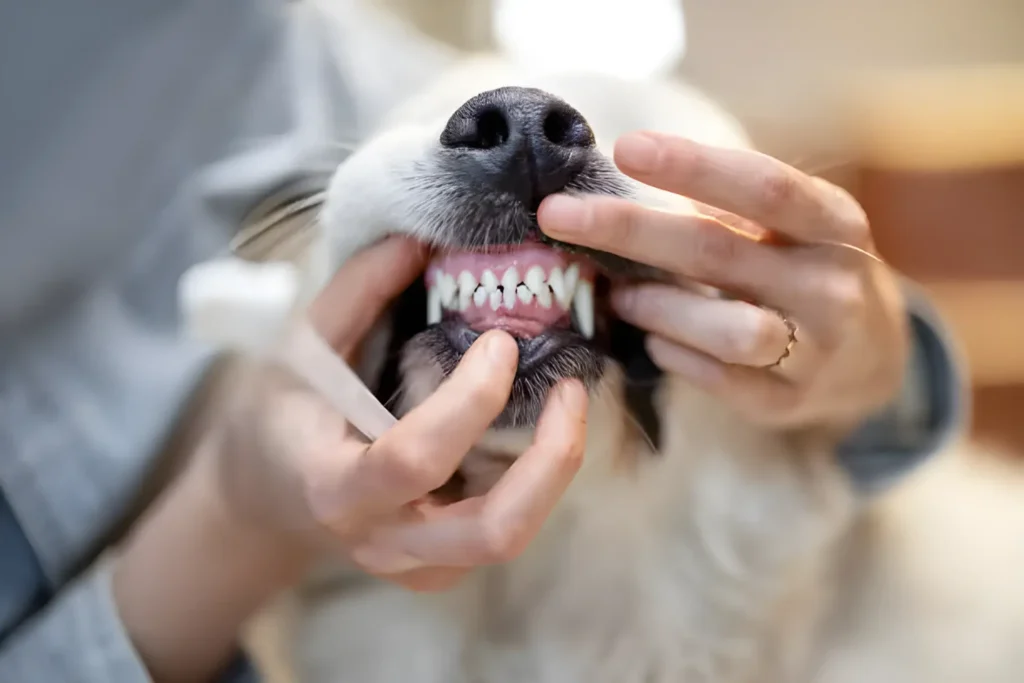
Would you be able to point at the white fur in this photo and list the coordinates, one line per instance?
(711, 561)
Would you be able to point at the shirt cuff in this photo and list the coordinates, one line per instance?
(79, 638)
(928, 413)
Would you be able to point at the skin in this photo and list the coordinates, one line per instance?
(772, 237)
(283, 480)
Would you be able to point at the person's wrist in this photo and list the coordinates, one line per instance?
(192, 573)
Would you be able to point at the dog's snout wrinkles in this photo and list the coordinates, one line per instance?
(524, 141)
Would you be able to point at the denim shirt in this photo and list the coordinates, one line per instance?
(109, 109)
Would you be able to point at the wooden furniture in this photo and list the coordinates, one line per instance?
(941, 175)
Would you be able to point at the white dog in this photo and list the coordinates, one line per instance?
(692, 546)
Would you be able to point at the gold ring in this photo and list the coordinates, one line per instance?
(790, 343)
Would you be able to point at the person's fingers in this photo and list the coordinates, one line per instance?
(428, 579)
(347, 308)
(496, 527)
(763, 397)
(747, 183)
(734, 332)
(422, 451)
(807, 282)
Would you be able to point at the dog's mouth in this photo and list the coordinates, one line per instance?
(552, 301)
(542, 296)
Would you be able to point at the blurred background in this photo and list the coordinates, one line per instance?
(916, 106)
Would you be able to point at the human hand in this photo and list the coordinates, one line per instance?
(817, 333)
(289, 463)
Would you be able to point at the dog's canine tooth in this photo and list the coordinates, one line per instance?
(448, 289)
(489, 281)
(433, 305)
(480, 296)
(466, 286)
(583, 303)
(524, 293)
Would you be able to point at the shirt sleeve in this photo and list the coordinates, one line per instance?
(928, 413)
(79, 638)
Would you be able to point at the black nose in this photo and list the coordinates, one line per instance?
(524, 141)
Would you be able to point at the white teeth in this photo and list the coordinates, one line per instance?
(572, 276)
(510, 279)
(433, 306)
(467, 285)
(563, 287)
(448, 290)
(556, 281)
(535, 280)
(508, 296)
(489, 281)
(543, 297)
(583, 304)
(524, 293)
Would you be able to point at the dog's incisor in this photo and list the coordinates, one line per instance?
(692, 546)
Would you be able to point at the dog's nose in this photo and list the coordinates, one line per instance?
(524, 141)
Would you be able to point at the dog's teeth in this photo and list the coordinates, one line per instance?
(448, 290)
(466, 285)
(572, 276)
(480, 297)
(495, 300)
(510, 279)
(508, 295)
(544, 297)
(524, 293)
(489, 281)
(433, 306)
(556, 281)
(535, 280)
(583, 302)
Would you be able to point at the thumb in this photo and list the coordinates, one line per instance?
(362, 289)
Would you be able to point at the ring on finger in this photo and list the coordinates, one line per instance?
(791, 327)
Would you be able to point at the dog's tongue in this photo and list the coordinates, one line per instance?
(523, 289)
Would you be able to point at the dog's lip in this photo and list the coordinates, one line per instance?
(533, 351)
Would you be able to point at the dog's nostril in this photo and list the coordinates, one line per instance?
(485, 128)
(491, 129)
(566, 128)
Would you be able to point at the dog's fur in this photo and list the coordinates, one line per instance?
(713, 559)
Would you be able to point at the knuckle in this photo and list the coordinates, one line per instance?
(411, 468)
(844, 295)
(502, 541)
(753, 338)
(714, 250)
(777, 190)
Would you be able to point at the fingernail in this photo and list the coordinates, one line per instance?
(560, 214)
(384, 561)
(637, 152)
(499, 346)
(573, 395)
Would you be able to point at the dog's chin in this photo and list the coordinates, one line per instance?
(553, 355)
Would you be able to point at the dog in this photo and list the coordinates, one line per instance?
(692, 546)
